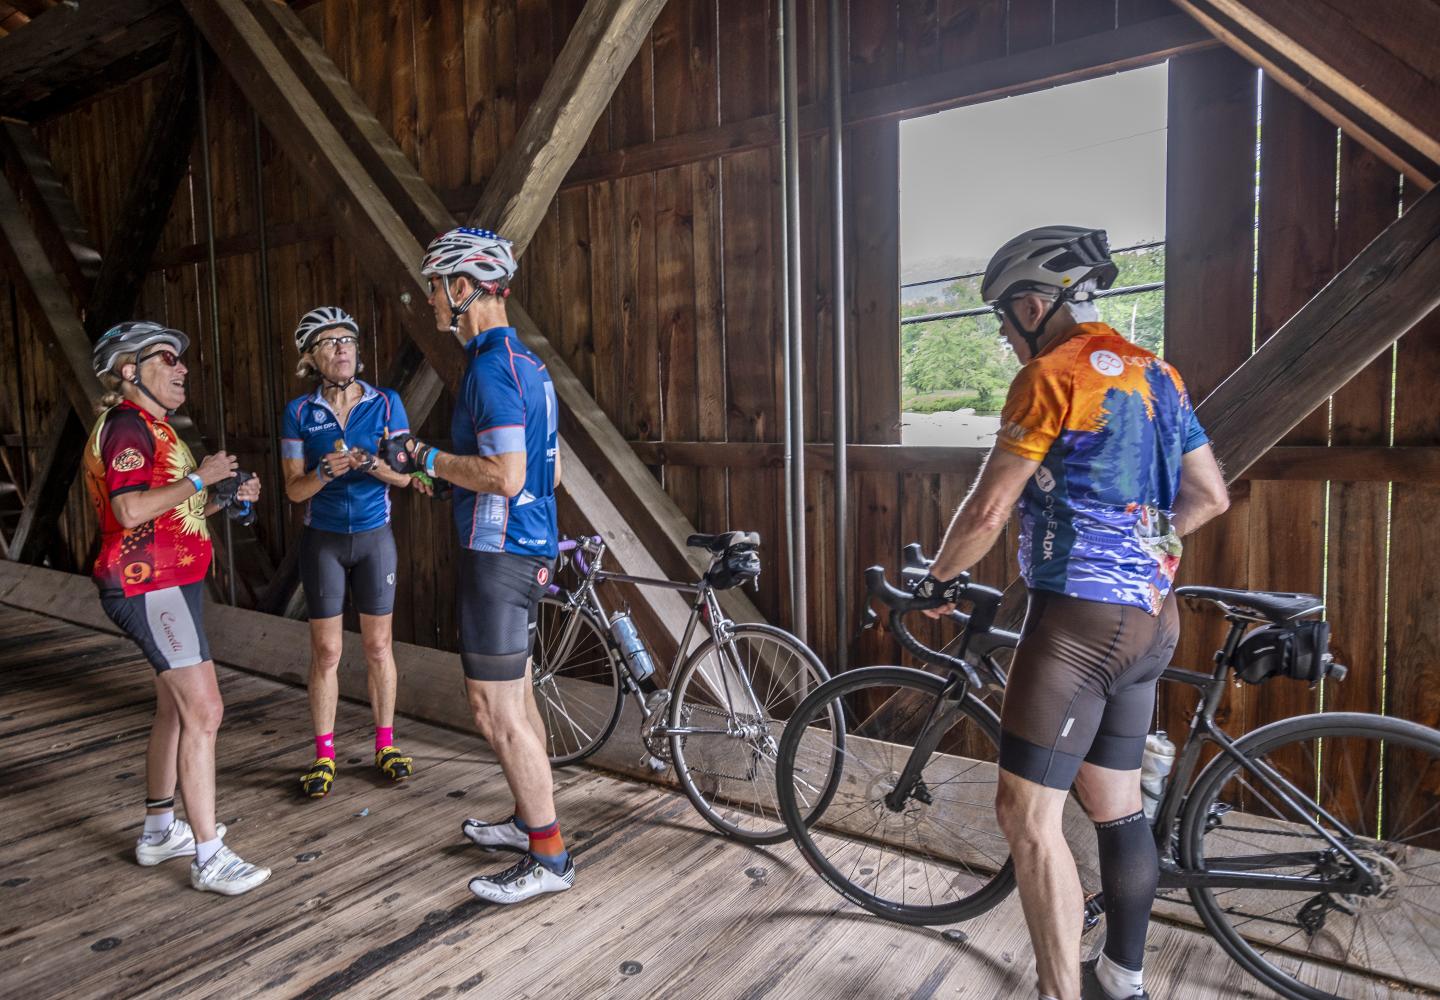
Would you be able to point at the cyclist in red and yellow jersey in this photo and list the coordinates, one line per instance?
(151, 501)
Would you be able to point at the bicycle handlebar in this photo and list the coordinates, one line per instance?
(986, 601)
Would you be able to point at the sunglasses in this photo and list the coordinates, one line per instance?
(333, 343)
(170, 358)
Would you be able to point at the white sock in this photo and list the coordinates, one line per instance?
(1047, 996)
(156, 826)
(206, 850)
(1117, 980)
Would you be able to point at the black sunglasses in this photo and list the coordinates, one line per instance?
(170, 358)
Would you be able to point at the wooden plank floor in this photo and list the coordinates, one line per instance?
(369, 893)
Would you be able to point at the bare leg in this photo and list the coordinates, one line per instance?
(324, 686)
(375, 630)
(164, 746)
(532, 710)
(1050, 894)
(503, 718)
(197, 698)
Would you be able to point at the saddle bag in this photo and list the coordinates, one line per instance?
(1300, 651)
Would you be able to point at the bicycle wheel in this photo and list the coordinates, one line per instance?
(941, 856)
(577, 681)
(1378, 779)
(729, 704)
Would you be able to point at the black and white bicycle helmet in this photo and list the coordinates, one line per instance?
(1052, 260)
(132, 337)
(319, 319)
(485, 257)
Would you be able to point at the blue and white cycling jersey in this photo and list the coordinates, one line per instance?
(507, 404)
(356, 501)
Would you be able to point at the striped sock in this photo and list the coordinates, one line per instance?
(384, 737)
(325, 745)
(546, 845)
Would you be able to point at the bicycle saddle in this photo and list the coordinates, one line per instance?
(723, 541)
(1277, 608)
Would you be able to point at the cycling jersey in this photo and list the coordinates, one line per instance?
(1109, 422)
(128, 451)
(355, 501)
(507, 404)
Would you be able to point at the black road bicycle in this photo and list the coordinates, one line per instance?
(1311, 842)
(732, 686)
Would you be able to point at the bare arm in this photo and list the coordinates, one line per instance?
(136, 507)
(984, 514)
(503, 473)
(299, 484)
(557, 465)
(1203, 495)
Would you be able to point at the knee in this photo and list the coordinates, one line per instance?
(377, 649)
(325, 655)
(1025, 826)
(206, 716)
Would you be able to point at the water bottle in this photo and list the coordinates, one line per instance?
(1155, 767)
(637, 657)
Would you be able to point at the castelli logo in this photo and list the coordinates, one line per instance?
(542, 575)
(166, 621)
(127, 461)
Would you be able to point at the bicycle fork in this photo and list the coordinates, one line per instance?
(941, 717)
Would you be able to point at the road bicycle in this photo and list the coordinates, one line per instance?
(719, 719)
(1305, 846)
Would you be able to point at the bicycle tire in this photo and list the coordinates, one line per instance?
(1353, 742)
(818, 847)
(591, 660)
(708, 766)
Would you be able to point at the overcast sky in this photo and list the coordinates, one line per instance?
(1086, 154)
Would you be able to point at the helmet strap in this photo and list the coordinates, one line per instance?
(325, 383)
(135, 381)
(456, 311)
(1032, 337)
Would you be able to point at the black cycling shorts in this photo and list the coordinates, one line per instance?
(168, 624)
(364, 561)
(1082, 686)
(497, 603)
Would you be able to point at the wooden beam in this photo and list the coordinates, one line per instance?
(70, 49)
(1369, 70)
(1299, 463)
(62, 446)
(1135, 45)
(57, 224)
(1389, 287)
(163, 164)
(596, 55)
(48, 301)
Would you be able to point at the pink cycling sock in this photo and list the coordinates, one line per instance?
(384, 737)
(325, 745)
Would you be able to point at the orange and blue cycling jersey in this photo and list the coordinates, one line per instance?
(1108, 422)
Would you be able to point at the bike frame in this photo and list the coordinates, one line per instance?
(1203, 730)
(705, 606)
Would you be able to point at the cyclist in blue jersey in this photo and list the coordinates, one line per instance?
(327, 446)
(1100, 449)
(504, 467)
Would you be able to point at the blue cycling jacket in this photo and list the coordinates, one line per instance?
(507, 404)
(356, 501)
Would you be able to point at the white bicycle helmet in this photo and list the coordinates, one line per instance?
(486, 258)
(319, 319)
(1052, 260)
(132, 337)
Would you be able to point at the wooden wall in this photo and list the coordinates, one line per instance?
(660, 287)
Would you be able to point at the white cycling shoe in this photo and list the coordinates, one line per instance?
(179, 842)
(227, 874)
(494, 836)
(526, 879)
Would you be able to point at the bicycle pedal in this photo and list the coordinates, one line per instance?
(655, 764)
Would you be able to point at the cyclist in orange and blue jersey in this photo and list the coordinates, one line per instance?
(1100, 449)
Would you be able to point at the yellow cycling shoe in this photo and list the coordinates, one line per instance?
(316, 782)
(396, 765)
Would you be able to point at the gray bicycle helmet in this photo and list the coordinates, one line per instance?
(485, 257)
(132, 337)
(319, 319)
(1052, 260)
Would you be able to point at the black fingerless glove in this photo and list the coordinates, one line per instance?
(224, 496)
(942, 591)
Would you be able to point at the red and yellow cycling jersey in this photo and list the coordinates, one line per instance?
(130, 450)
(1108, 421)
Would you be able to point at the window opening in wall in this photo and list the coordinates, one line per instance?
(1086, 154)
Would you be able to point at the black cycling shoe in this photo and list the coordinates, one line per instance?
(1090, 988)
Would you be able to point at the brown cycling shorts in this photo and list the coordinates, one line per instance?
(1082, 686)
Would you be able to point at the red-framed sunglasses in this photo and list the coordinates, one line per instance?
(170, 358)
